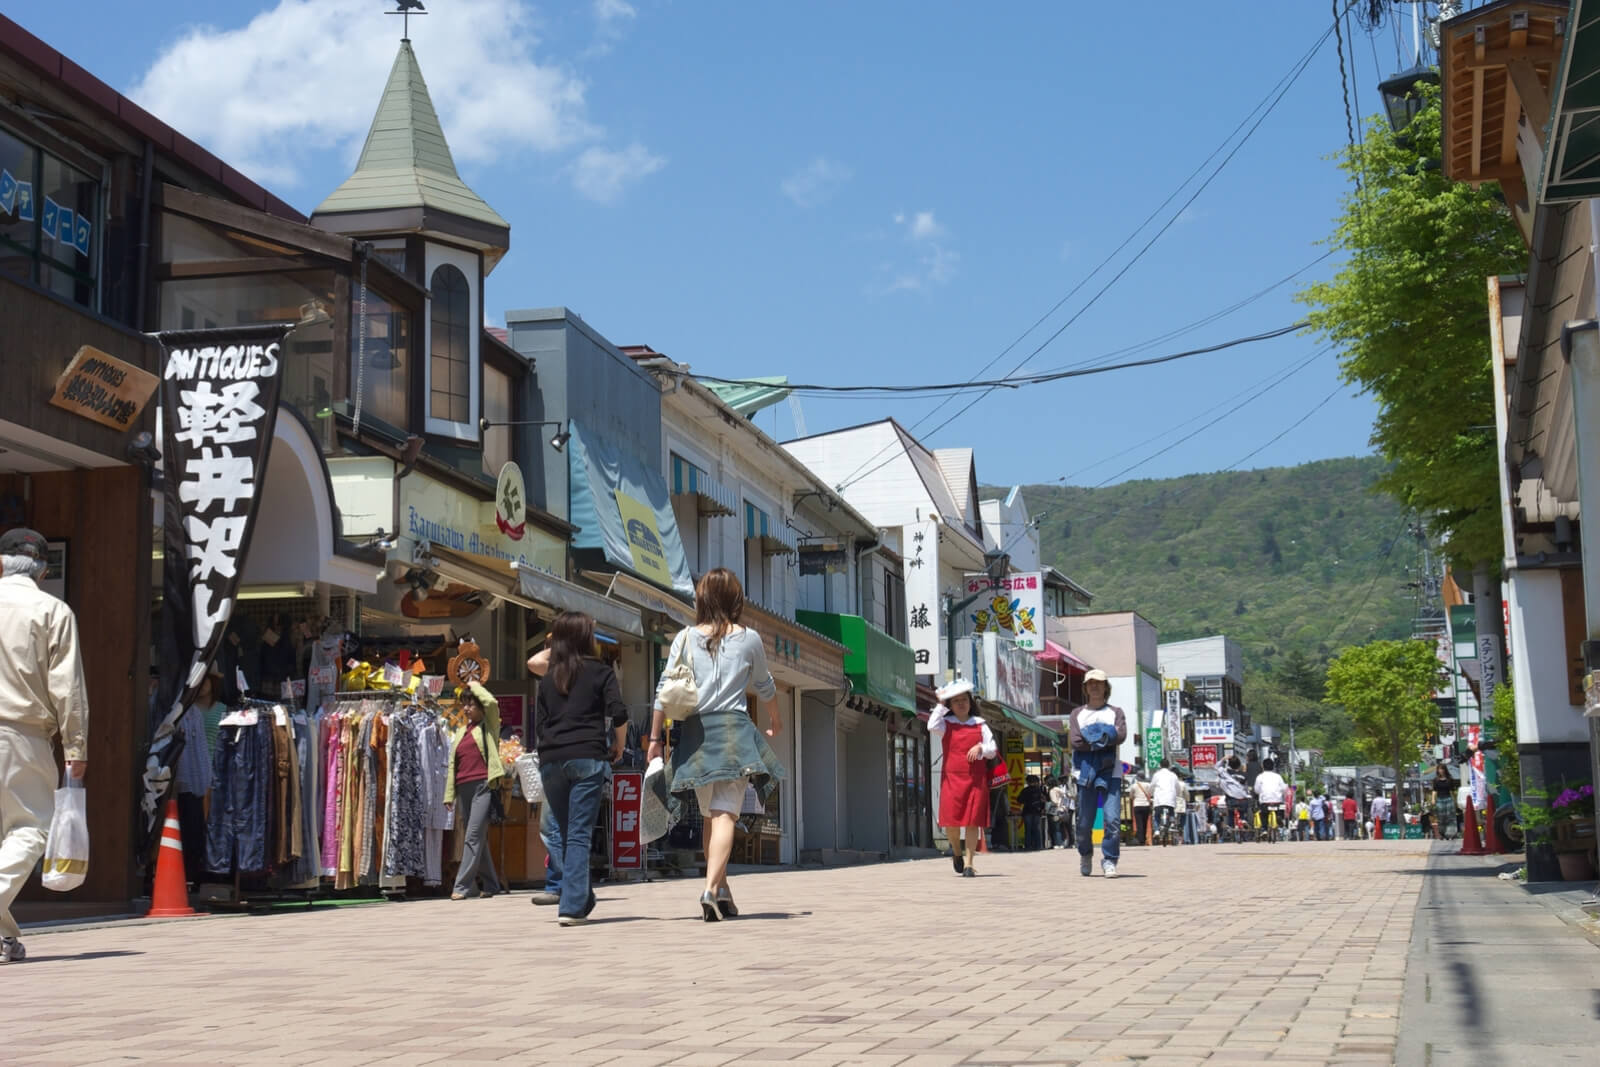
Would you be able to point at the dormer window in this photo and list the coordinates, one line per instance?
(452, 398)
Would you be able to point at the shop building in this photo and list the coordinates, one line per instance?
(740, 501)
(1529, 61)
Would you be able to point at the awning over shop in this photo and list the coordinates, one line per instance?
(643, 594)
(621, 508)
(531, 589)
(798, 655)
(876, 665)
(1054, 653)
(711, 497)
(1042, 732)
(608, 614)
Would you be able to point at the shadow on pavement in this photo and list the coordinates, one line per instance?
(107, 955)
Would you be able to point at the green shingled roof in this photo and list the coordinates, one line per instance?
(406, 162)
(749, 399)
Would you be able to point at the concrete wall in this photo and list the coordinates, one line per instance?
(1217, 654)
(1107, 640)
(865, 822)
(819, 788)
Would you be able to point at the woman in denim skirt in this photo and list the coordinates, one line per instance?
(719, 750)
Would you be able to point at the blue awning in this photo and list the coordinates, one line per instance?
(622, 508)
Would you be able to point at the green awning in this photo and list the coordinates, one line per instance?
(878, 667)
(1044, 734)
(749, 398)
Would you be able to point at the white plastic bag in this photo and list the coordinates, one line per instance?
(66, 854)
(527, 768)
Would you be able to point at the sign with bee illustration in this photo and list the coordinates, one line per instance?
(1015, 609)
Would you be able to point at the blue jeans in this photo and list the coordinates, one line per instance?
(550, 834)
(573, 790)
(1110, 801)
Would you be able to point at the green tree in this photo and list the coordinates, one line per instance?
(1298, 674)
(1387, 686)
(1409, 311)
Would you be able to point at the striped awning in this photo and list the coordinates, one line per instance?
(776, 538)
(711, 496)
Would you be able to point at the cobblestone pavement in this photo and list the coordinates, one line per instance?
(1221, 954)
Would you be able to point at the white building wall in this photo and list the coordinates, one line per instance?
(1545, 714)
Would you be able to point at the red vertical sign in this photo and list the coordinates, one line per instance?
(627, 801)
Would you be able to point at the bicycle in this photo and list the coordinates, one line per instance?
(1166, 830)
(1268, 829)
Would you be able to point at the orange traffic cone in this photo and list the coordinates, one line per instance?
(1470, 843)
(171, 897)
(1491, 836)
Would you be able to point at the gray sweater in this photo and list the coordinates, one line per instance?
(739, 666)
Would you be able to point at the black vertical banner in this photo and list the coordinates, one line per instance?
(219, 404)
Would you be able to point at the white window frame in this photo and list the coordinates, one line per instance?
(467, 263)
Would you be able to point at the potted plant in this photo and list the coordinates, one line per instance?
(1572, 812)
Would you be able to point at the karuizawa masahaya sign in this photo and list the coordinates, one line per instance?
(219, 404)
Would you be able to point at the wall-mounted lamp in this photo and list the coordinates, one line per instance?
(557, 442)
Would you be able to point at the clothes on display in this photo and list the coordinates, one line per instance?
(352, 793)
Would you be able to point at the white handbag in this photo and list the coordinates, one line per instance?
(66, 854)
(678, 694)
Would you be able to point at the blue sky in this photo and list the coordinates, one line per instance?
(841, 192)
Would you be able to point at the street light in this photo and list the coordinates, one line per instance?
(557, 442)
(1402, 101)
(995, 563)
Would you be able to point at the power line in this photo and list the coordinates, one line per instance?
(1025, 379)
(1271, 102)
(1404, 523)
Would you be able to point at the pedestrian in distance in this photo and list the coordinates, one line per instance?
(1165, 787)
(549, 830)
(1378, 814)
(474, 773)
(968, 745)
(1230, 776)
(1302, 820)
(1350, 813)
(1057, 812)
(1317, 809)
(579, 726)
(1139, 789)
(1096, 729)
(719, 753)
(1034, 801)
(42, 697)
(1271, 790)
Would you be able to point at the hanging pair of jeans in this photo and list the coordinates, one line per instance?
(236, 833)
(573, 789)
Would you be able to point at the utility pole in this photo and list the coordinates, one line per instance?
(1292, 762)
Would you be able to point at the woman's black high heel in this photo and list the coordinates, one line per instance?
(708, 908)
(726, 905)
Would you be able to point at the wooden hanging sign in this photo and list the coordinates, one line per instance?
(105, 389)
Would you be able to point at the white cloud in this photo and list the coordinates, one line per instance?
(304, 77)
(610, 10)
(816, 182)
(936, 262)
(601, 174)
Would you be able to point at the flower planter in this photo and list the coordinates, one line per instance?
(1576, 866)
(1542, 863)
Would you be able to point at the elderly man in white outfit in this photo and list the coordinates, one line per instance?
(41, 696)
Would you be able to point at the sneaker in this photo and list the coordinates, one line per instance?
(970, 872)
(1108, 869)
(542, 897)
(1085, 865)
(572, 920)
(11, 950)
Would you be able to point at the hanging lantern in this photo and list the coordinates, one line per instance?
(1402, 95)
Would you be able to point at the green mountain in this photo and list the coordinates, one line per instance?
(1300, 559)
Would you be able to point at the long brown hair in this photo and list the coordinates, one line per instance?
(718, 602)
(571, 640)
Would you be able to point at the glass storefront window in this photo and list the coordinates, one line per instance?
(379, 382)
(49, 221)
(450, 396)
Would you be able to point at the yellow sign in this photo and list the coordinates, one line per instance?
(1169, 684)
(644, 539)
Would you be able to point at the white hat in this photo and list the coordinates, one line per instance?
(954, 689)
(1097, 675)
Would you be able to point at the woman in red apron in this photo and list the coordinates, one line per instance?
(964, 781)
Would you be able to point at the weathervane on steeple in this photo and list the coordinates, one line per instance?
(405, 9)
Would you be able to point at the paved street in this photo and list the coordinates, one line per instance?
(1294, 953)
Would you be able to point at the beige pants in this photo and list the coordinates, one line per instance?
(27, 802)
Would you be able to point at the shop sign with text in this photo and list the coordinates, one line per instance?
(1015, 609)
(627, 804)
(923, 617)
(104, 389)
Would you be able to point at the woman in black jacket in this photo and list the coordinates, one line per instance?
(579, 726)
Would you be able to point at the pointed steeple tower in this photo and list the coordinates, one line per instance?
(406, 181)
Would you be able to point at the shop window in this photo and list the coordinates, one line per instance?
(450, 347)
(894, 606)
(49, 221)
(497, 409)
(379, 379)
